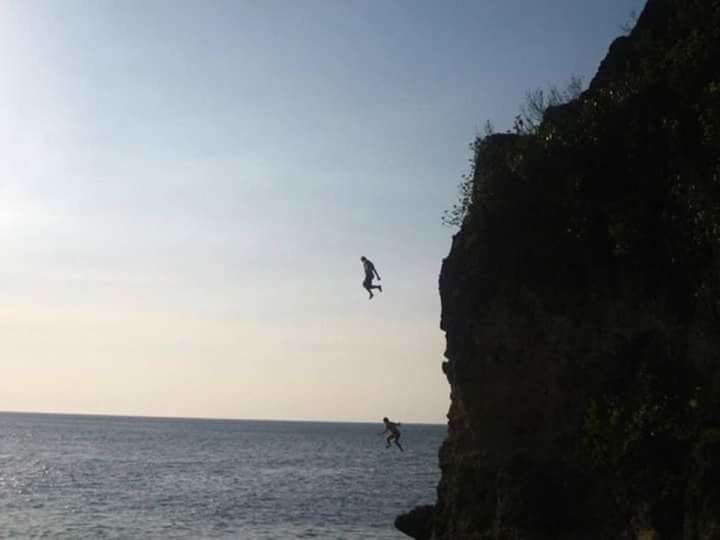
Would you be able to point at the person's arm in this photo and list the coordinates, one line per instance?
(376, 273)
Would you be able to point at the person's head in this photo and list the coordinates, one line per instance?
(363, 259)
(386, 420)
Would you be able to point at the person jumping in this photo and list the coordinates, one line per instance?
(370, 273)
(393, 433)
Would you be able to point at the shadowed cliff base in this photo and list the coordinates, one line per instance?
(581, 305)
(417, 523)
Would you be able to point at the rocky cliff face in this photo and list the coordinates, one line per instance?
(581, 304)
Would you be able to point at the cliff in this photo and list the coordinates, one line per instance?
(581, 305)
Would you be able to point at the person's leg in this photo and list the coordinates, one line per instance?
(388, 441)
(397, 443)
(366, 285)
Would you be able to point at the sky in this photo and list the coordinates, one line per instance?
(186, 188)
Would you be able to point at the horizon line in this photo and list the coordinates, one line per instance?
(208, 418)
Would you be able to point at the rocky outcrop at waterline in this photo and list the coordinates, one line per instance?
(581, 305)
(417, 523)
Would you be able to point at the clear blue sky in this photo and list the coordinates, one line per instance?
(186, 189)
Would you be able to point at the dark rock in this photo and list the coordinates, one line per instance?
(417, 523)
(581, 305)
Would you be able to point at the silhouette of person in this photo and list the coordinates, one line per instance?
(393, 433)
(370, 273)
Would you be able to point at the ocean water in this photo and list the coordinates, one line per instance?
(66, 476)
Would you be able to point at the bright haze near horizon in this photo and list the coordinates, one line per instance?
(186, 189)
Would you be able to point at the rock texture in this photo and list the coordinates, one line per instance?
(581, 304)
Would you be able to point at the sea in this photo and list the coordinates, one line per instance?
(76, 476)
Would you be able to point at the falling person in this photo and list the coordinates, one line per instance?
(370, 273)
(393, 433)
